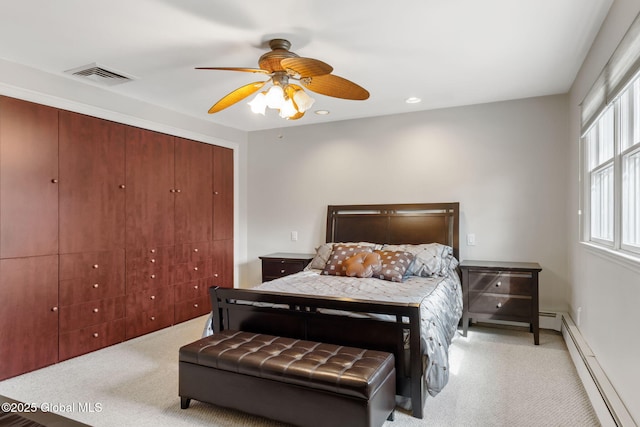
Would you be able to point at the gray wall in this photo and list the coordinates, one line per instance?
(606, 290)
(504, 162)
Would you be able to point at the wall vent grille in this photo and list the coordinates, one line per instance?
(99, 74)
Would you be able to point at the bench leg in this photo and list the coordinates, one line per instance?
(184, 402)
(392, 416)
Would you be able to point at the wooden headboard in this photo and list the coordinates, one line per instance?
(411, 223)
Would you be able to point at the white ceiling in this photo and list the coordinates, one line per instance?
(447, 52)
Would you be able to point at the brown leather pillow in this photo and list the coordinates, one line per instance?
(363, 264)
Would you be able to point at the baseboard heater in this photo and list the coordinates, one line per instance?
(605, 400)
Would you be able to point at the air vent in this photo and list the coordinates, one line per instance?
(99, 74)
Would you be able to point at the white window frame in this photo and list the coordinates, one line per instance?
(614, 246)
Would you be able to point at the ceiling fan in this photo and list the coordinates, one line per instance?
(282, 65)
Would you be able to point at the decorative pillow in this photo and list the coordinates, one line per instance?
(341, 252)
(395, 264)
(322, 256)
(323, 252)
(363, 264)
(430, 258)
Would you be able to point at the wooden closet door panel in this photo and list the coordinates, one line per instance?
(29, 316)
(149, 188)
(28, 179)
(222, 193)
(92, 178)
(193, 214)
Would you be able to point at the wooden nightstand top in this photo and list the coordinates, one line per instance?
(288, 255)
(503, 265)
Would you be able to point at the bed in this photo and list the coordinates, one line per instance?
(415, 319)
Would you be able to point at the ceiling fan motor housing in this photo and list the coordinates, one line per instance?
(270, 61)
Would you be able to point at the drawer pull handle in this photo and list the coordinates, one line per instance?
(153, 251)
(54, 309)
(499, 305)
(153, 317)
(95, 310)
(282, 271)
(498, 284)
(195, 268)
(195, 287)
(95, 285)
(195, 305)
(95, 335)
(153, 297)
(122, 186)
(195, 250)
(153, 276)
(152, 260)
(55, 181)
(95, 266)
(215, 274)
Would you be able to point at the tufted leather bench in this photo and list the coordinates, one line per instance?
(299, 382)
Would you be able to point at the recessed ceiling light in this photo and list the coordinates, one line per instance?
(413, 100)
(322, 112)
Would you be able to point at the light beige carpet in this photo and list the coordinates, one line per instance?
(498, 378)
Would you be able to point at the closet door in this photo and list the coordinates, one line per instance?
(28, 179)
(193, 214)
(194, 222)
(150, 218)
(222, 193)
(29, 314)
(92, 226)
(92, 184)
(150, 189)
(222, 244)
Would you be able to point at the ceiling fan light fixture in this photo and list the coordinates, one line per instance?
(303, 100)
(291, 101)
(259, 104)
(275, 97)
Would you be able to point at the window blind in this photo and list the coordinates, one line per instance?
(621, 68)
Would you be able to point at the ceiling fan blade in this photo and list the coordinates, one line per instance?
(306, 67)
(246, 70)
(236, 96)
(335, 86)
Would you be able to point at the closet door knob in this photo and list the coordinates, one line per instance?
(54, 309)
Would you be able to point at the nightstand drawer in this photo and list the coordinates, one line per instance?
(279, 265)
(281, 268)
(501, 306)
(501, 282)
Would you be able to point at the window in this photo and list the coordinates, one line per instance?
(612, 174)
(610, 146)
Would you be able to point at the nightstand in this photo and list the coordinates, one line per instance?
(282, 264)
(501, 291)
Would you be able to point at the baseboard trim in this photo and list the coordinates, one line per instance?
(607, 404)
